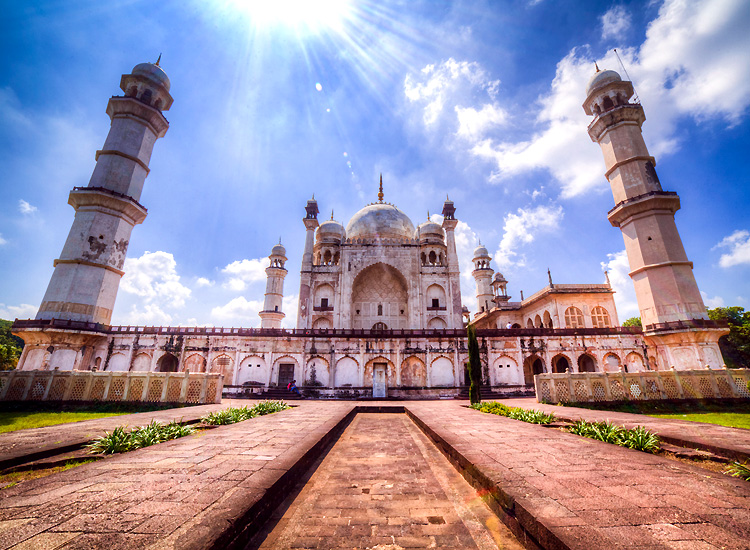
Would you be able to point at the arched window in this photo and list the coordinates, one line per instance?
(327, 257)
(538, 322)
(600, 317)
(607, 103)
(146, 97)
(380, 310)
(424, 258)
(379, 326)
(573, 317)
(529, 323)
(132, 91)
(433, 257)
(547, 320)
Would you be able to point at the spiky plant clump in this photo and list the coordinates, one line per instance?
(116, 441)
(640, 439)
(238, 414)
(739, 470)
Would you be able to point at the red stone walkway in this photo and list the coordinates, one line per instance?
(729, 442)
(385, 485)
(555, 489)
(24, 445)
(566, 491)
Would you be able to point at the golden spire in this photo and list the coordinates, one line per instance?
(157, 61)
(331, 214)
(380, 193)
(428, 215)
(597, 66)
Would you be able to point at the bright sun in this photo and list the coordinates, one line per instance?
(313, 14)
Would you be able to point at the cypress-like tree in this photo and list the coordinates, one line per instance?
(475, 366)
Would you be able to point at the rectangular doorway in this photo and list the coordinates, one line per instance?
(286, 374)
(379, 380)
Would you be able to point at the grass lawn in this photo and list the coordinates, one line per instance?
(733, 420)
(21, 420)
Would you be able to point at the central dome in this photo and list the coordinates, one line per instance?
(380, 221)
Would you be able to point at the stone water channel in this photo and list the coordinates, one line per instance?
(383, 485)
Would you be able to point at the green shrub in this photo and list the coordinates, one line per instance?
(120, 441)
(638, 438)
(238, 414)
(116, 441)
(741, 471)
(516, 413)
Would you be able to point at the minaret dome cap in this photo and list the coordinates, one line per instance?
(601, 79)
(481, 252)
(153, 72)
(278, 250)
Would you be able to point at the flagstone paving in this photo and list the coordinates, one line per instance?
(569, 491)
(385, 485)
(555, 489)
(23, 445)
(729, 442)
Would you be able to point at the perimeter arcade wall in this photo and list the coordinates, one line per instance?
(144, 387)
(595, 387)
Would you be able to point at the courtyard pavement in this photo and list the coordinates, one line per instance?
(729, 442)
(552, 489)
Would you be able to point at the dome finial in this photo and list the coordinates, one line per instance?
(331, 214)
(157, 61)
(428, 215)
(597, 66)
(279, 239)
(380, 193)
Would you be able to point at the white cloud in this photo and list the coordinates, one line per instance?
(716, 301)
(289, 307)
(238, 312)
(615, 22)
(450, 83)
(244, 272)
(618, 267)
(522, 228)
(473, 124)
(202, 281)
(23, 311)
(693, 63)
(26, 208)
(2, 240)
(738, 244)
(154, 278)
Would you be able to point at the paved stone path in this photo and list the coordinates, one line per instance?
(556, 489)
(186, 493)
(729, 442)
(19, 446)
(385, 485)
(568, 491)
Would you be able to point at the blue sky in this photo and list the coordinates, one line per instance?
(275, 101)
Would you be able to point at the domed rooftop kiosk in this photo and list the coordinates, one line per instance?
(380, 220)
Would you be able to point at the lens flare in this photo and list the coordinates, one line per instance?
(313, 14)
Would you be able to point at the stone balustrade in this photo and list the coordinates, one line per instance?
(594, 387)
(142, 387)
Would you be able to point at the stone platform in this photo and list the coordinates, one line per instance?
(214, 489)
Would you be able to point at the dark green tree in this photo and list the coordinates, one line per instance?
(10, 346)
(633, 322)
(735, 346)
(475, 366)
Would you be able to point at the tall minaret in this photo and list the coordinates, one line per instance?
(311, 224)
(662, 274)
(87, 275)
(272, 315)
(483, 276)
(454, 271)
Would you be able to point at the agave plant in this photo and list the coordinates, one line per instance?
(640, 439)
(116, 441)
(741, 471)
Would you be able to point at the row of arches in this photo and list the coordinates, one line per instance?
(573, 318)
(327, 257)
(585, 362)
(432, 258)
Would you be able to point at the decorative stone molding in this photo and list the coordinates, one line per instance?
(595, 387)
(138, 387)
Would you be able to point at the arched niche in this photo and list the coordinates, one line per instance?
(436, 323)
(441, 372)
(380, 295)
(319, 366)
(253, 371)
(167, 363)
(346, 373)
(561, 363)
(141, 362)
(532, 365)
(436, 296)
(195, 363)
(413, 372)
(586, 363)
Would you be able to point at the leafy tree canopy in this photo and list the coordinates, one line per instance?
(735, 347)
(633, 322)
(10, 346)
